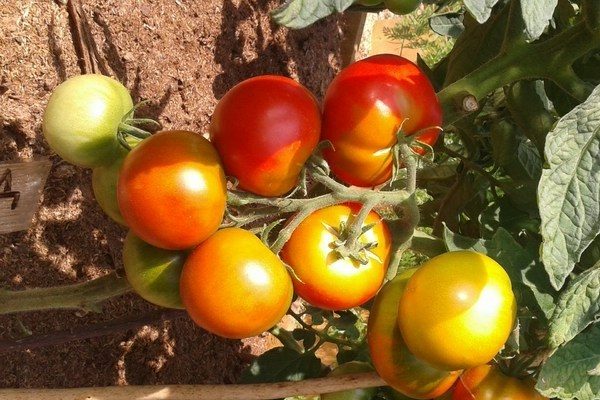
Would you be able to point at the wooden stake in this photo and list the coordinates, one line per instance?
(202, 392)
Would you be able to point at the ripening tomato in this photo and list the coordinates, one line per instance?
(351, 367)
(172, 190)
(457, 310)
(392, 359)
(82, 118)
(265, 128)
(325, 279)
(486, 382)
(365, 106)
(233, 285)
(153, 273)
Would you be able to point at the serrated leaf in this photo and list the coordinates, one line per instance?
(578, 306)
(569, 191)
(537, 16)
(307, 337)
(297, 14)
(529, 158)
(480, 9)
(449, 24)
(282, 364)
(346, 320)
(566, 373)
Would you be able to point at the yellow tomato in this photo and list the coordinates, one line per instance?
(458, 310)
(391, 358)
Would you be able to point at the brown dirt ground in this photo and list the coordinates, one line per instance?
(183, 55)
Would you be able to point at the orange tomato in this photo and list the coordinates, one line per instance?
(325, 279)
(486, 382)
(172, 190)
(234, 286)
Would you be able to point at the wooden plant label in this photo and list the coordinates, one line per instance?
(21, 185)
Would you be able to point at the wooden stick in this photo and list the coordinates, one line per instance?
(202, 392)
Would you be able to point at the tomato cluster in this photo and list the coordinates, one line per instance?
(171, 190)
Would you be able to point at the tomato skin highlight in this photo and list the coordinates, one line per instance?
(457, 310)
(153, 273)
(391, 357)
(82, 118)
(364, 107)
(486, 382)
(172, 190)
(233, 285)
(265, 128)
(327, 281)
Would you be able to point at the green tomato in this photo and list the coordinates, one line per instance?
(82, 117)
(152, 272)
(356, 394)
(104, 183)
(369, 3)
(402, 7)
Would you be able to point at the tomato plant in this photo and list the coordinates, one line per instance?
(325, 277)
(152, 272)
(171, 191)
(234, 286)
(366, 106)
(276, 118)
(391, 357)
(82, 118)
(357, 394)
(486, 382)
(457, 310)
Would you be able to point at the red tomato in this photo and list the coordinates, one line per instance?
(265, 128)
(172, 190)
(486, 382)
(327, 280)
(364, 107)
(234, 286)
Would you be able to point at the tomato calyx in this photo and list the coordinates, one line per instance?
(129, 131)
(405, 153)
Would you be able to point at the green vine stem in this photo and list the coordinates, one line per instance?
(522, 62)
(86, 296)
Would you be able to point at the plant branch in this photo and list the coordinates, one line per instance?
(89, 331)
(257, 391)
(85, 296)
(568, 80)
(521, 62)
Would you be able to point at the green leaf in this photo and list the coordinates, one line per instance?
(307, 337)
(578, 307)
(282, 364)
(529, 158)
(297, 14)
(537, 15)
(480, 9)
(569, 373)
(569, 191)
(449, 24)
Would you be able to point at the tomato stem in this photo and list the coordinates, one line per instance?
(86, 296)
